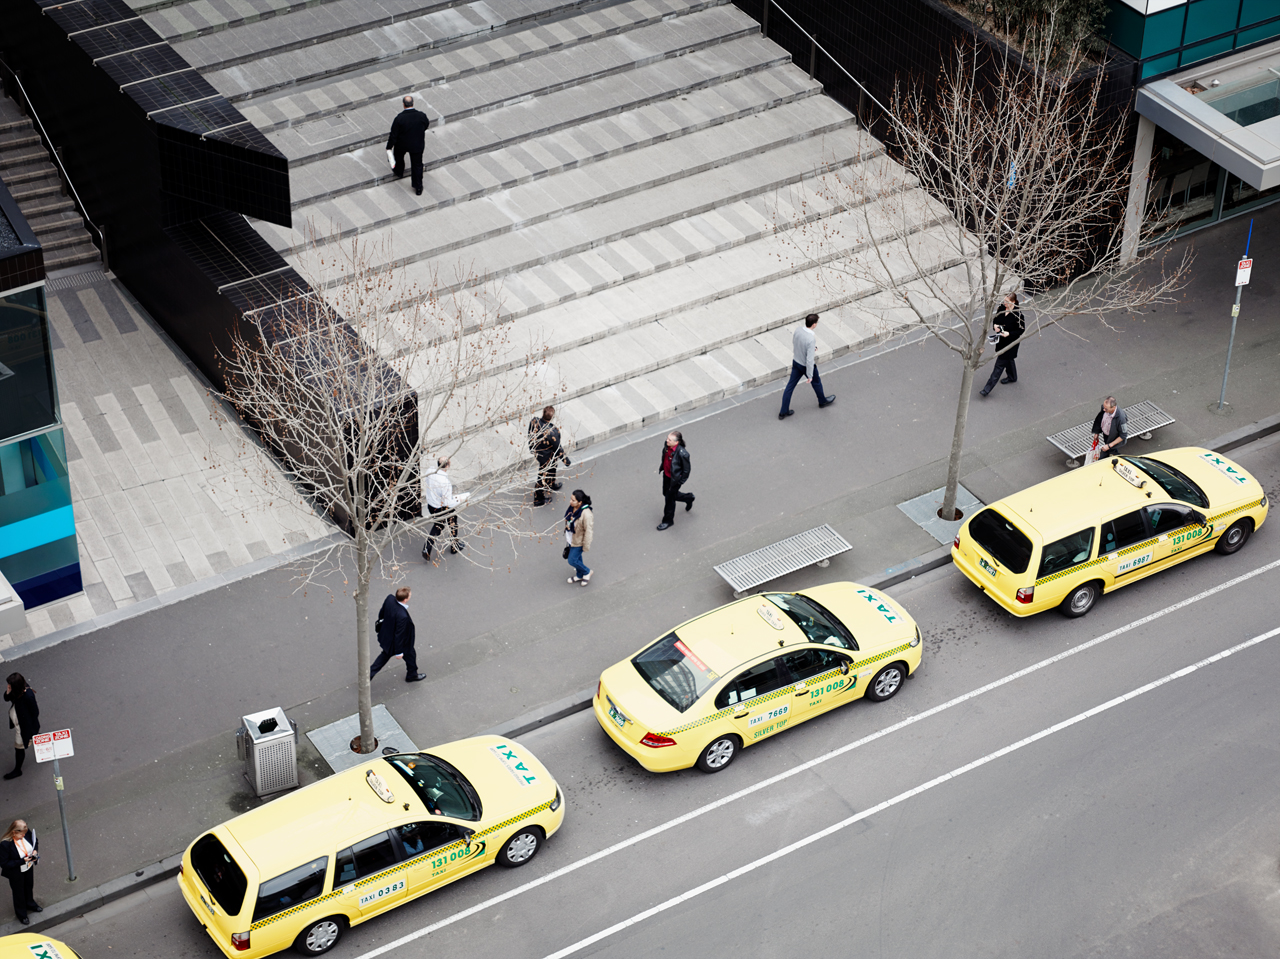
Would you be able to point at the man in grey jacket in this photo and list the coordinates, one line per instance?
(804, 363)
(1110, 428)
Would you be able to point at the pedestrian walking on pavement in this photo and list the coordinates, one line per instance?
(579, 524)
(675, 469)
(1008, 328)
(19, 853)
(804, 363)
(544, 444)
(441, 500)
(408, 135)
(1110, 428)
(396, 635)
(24, 719)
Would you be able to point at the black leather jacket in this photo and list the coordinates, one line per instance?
(681, 464)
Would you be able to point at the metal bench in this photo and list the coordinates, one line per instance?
(1076, 442)
(814, 546)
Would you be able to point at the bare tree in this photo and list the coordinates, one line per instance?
(361, 393)
(1010, 175)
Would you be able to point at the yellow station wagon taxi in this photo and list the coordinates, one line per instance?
(30, 945)
(746, 671)
(301, 869)
(1064, 542)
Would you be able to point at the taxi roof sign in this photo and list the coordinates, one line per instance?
(379, 786)
(1127, 472)
(771, 615)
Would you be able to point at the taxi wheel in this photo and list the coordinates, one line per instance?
(887, 682)
(1080, 600)
(718, 754)
(520, 848)
(320, 936)
(1237, 535)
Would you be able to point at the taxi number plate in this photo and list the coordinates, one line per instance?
(987, 567)
(381, 893)
(205, 903)
(616, 716)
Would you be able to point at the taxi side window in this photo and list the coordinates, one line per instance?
(1123, 532)
(1166, 517)
(1066, 552)
(291, 888)
(365, 858)
(811, 662)
(419, 837)
(756, 681)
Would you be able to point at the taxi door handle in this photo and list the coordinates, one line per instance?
(742, 715)
(802, 692)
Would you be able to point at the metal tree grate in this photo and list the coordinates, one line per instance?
(1143, 418)
(812, 546)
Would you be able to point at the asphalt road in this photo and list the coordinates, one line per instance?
(1136, 814)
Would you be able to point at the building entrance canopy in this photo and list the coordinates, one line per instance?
(1227, 109)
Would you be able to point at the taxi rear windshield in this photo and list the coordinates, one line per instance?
(441, 787)
(221, 875)
(674, 672)
(1174, 482)
(1007, 544)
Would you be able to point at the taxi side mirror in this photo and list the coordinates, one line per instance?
(1200, 518)
(844, 669)
(467, 834)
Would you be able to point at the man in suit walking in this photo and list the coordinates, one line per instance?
(408, 135)
(396, 635)
(804, 364)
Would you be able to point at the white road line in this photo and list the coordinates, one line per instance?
(901, 797)
(796, 770)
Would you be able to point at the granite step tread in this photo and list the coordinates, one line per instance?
(185, 19)
(18, 137)
(743, 126)
(37, 169)
(76, 255)
(21, 157)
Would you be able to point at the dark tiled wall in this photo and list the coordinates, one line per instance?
(21, 259)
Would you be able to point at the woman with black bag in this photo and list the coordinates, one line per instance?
(578, 527)
(24, 719)
(19, 853)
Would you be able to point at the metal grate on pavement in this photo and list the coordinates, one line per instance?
(814, 546)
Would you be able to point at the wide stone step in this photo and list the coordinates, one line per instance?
(718, 125)
(44, 205)
(55, 222)
(666, 51)
(77, 255)
(181, 19)
(11, 159)
(29, 172)
(18, 137)
(404, 46)
(35, 189)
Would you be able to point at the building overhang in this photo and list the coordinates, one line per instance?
(1202, 106)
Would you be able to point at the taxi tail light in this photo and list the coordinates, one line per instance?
(655, 741)
(956, 542)
(240, 940)
(599, 687)
(1027, 594)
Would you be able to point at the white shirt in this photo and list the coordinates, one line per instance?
(440, 491)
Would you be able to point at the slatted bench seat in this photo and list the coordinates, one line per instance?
(1076, 442)
(812, 547)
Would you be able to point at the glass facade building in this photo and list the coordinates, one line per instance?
(38, 553)
(1167, 35)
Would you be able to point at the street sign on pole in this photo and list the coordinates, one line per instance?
(1243, 269)
(55, 746)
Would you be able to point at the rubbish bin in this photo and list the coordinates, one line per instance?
(268, 743)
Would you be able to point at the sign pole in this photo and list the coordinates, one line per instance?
(1242, 278)
(62, 810)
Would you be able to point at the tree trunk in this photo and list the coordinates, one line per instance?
(364, 697)
(948, 510)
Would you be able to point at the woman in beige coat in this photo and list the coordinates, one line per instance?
(578, 523)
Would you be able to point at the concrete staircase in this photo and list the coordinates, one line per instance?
(32, 178)
(620, 167)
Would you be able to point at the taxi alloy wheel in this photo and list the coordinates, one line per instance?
(1237, 535)
(520, 848)
(887, 682)
(718, 754)
(320, 936)
(1080, 600)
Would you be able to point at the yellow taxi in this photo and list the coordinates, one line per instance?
(746, 671)
(1064, 542)
(298, 871)
(30, 945)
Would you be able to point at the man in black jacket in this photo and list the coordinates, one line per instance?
(675, 469)
(396, 635)
(408, 135)
(1009, 329)
(545, 445)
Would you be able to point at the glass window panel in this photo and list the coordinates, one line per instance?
(1123, 532)
(1206, 50)
(1161, 65)
(1241, 196)
(1184, 182)
(1251, 11)
(1208, 18)
(26, 364)
(1166, 517)
(1256, 34)
(1066, 552)
(291, 888)
(1163, 32)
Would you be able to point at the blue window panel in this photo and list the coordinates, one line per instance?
(1253, 35)
(1163, 32)
(1206, 50)
(1162, 65)
(1123, 27)
(1251, 11)
(1208, 18)
(37, 530)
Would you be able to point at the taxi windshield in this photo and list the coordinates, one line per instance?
(817, 623)
(442, 789)
(1174, 482)
(674, 672)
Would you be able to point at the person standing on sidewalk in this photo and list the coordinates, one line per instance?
(408, 135)
(19, 853)
(441, 499)
(397, 635)
(579, 522)
(675, 469)
(24, 719)
(1009, 327)
(1110, 428)
(804, 363)
(544, 444)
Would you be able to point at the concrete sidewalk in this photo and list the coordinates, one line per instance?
(153, 700)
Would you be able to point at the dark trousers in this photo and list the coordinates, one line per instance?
(797, 374)
(415, 167)
(23, 886)
(1006, 365)
(546, 480)
(384, 657)
(438, 527)
(671, 495)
